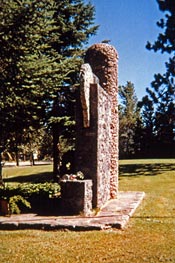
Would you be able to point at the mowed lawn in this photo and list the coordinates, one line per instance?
(149, 236)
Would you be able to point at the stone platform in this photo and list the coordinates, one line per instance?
(114, 214)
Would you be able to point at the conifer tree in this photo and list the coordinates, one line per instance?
(41, 48)
(145, 129)
(128, 117)
(162, 91)
(75, 23)
(28, 70)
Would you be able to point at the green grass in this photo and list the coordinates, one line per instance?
(21, 174)
(149, 236)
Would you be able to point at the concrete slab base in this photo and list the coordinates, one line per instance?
(114, 214)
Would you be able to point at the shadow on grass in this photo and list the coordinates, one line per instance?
(153, 217)
(34, 178)
(124, 170)
(144, 169)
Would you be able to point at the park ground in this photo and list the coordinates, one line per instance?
(149, 236)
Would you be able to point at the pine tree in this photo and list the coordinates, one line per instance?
(162, 91)
(75, 23)
(145, 130)
(41, 48)
(128, 117)
(28, 70)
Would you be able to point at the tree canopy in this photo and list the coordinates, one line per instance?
(41, 50)
(149, 131)
(128, 117)
(161, 94)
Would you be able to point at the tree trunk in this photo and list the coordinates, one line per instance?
(32, 161)
(1, 180)
(17, 157)
(56, 154)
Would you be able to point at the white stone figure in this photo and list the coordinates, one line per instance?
(86, 78)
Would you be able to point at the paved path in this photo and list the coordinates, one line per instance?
(114, 214)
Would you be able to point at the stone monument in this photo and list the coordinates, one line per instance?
(97, 122)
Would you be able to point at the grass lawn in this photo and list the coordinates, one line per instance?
(149, 236)
(23, 174)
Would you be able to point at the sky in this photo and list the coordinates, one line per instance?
(129, 24)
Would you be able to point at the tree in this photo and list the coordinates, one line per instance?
(41, 47)
(162, 91)
(74, 20)
(29, 67)
(145, 133)
(128, 117)
(165, 41)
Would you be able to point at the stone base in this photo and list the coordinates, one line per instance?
(76, 197)
(114, 214)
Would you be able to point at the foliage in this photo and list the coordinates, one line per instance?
(28, 72)
(41, 48)
(75, 21)
(26, 65)
(160, 96)
(29, 189)
(27, 194)
(14, 199)
(128, 117)
(165, 41)
(47, 189)
(145, 129)
(14, 203)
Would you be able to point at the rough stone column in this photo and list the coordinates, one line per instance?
(103, 61)
(92, 155)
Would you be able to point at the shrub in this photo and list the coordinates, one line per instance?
(28, 195)
(15, 202)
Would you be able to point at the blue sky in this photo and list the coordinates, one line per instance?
(129, 24)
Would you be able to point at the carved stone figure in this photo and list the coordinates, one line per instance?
(86, 78)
